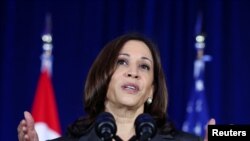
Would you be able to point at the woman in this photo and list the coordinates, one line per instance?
(126, 80)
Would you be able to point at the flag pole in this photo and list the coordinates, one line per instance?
(197, 109)
(47, 57)
(44, 108)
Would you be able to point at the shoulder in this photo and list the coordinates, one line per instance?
(177, 136)
(88, 135)
(187, 136)
(64, 138)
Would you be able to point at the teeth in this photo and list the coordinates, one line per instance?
(130, 87)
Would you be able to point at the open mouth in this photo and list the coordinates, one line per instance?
(130, 88)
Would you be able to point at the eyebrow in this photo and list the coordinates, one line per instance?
(144, 58)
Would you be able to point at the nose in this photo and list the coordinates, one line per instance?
(132, 75)
(132, 72)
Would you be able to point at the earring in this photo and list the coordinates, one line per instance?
(149, 100)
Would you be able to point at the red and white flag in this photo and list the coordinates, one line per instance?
(44, 109)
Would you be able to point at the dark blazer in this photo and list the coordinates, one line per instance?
(90, 135)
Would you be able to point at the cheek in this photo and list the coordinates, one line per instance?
(150, 91)
(108, 96)
(149, 88)
(116, 76)
(149, 82)
(112, 86)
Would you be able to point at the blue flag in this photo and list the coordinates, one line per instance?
(197, 110)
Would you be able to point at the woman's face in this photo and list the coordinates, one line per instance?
(132, 82)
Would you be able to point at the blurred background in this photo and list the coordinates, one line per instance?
(80, 29)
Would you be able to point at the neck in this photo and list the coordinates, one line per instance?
(125, 119)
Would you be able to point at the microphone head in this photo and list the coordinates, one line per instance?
(105, 126)
(145, 127)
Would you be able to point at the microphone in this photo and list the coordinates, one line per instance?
(145, 127)
(105, 126)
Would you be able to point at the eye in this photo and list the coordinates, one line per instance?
(121, 62)
(145, 67)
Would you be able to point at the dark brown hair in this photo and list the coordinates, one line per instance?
(100, 74)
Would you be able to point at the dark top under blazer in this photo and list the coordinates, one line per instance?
(90, 135)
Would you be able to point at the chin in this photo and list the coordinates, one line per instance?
(129, 102)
